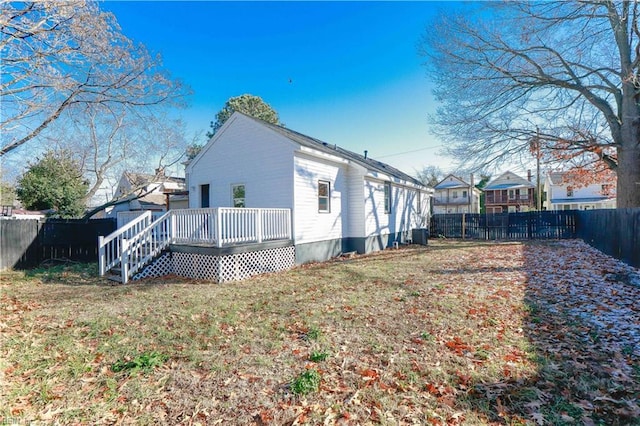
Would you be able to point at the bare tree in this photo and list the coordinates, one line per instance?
(430, 175)
(60, 56)
(110, 141)
(565, 74)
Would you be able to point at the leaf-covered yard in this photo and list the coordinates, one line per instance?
(453, 333)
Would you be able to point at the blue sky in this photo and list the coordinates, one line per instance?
(345, 72)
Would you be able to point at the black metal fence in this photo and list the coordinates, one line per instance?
(505, 226)
(615, 232)
(27, 243)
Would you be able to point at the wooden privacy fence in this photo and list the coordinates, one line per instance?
(614, 232)
(27, 243)
(505, 226)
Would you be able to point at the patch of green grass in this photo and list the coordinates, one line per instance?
(628, 350)
(427, 336)
(144, 362)
(78, 273)
(306, 382)
(317, 356)
(313, 333)
(562, 412)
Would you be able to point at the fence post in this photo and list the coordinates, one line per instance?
(463, 224)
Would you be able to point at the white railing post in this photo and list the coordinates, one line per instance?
(124, 262)
(259, 225)
(172, 227)
(218, 228)
(102, 261)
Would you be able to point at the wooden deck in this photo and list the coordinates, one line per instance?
(215, 230)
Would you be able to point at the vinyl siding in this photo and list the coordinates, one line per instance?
(245, 153)
(356, 212)
(404, 208)
(310, 225)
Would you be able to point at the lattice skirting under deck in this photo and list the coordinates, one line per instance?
(160, 267)
(222, 268)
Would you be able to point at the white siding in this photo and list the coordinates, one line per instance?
(245, 153)
(404, 209)
(355, 227)
(376, 220)
(309, 224)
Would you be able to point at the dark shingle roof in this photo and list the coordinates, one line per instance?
(314, 143)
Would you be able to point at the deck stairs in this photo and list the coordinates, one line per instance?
(132, 247)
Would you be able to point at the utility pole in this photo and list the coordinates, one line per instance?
(539, 197)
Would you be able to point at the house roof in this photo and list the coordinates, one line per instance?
(322, 146)
(451, 181)
(139, 179)
(580, 200)
(556, 178)
(508, 180)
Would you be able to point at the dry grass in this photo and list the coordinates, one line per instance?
(437, 335)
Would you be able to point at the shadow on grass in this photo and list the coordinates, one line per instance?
(579, 379)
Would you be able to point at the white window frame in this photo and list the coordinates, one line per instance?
(387, 197)
(326, 197)
(238, 200)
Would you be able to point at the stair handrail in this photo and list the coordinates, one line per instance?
(146, 245)
(110, 247)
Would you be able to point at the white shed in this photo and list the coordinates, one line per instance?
(340, 201)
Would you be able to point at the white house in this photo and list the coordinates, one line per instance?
(562, 194)
(454, 195)
(340, 201)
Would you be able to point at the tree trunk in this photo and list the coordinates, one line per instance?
(628, 170)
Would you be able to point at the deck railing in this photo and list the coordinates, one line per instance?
(110, 247)
(127, 216)
(139, 241)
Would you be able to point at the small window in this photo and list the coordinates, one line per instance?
(324, 196)
(464, 194)
(387, 197)
(455, 194)
(238, 195)
(512, 194)
(569, 191)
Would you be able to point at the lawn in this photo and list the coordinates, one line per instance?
(453, 333)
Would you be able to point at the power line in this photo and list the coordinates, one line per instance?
(409, 152)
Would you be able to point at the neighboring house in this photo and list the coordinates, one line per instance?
(148, 192)
(453, 195)
(561, 194)
(509, 193)
(340, 201)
